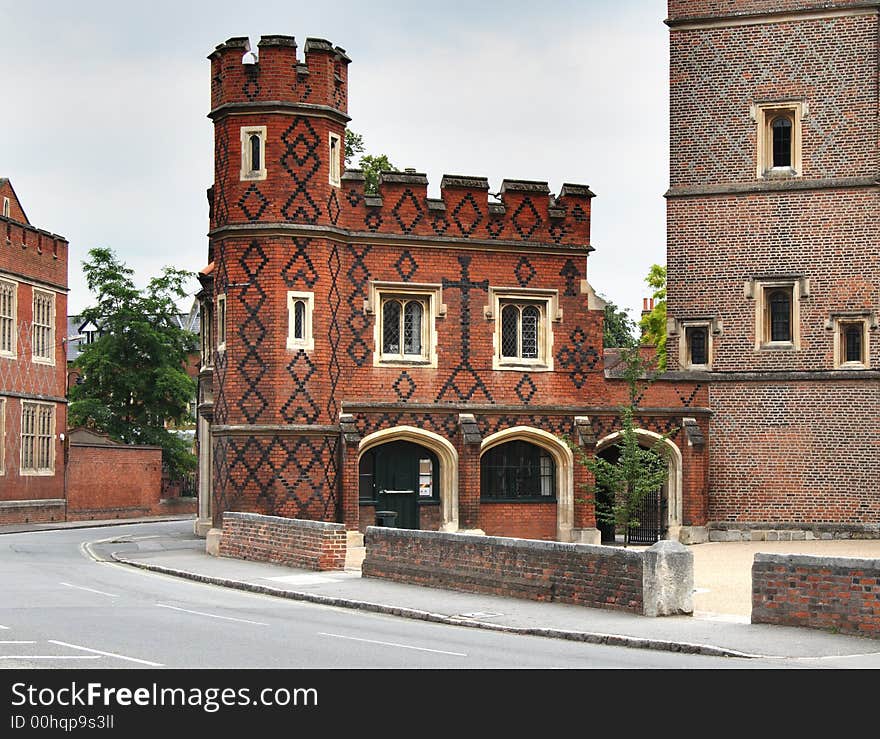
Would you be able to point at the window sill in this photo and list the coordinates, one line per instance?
(521, 366)
(852, 366)
(779, 346)
(43, 361)
(698, 367)
(255, 176)
(780, 173)
(385, 362)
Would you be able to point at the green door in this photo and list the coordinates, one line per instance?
(397, 481)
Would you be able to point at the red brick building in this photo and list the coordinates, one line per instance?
(773, 268)
(368, 352)
(33, 410)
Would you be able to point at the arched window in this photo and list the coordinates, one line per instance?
(403, 328)
(782, 139)
(780, 315)
(520, 331)
(256, 150)
(518, 470)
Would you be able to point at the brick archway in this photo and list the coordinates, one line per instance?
(446, 454)
(674, 482)
(564, 460)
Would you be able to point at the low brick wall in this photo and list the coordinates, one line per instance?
(31, 511)
(835, 593)
(581, 574)
(312, 545)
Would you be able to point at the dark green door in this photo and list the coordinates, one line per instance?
(397, 481)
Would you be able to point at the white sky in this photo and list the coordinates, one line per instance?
(104, 132)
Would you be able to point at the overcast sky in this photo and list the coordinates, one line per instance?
(104, 132)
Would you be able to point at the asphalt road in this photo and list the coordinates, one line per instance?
(61, 609)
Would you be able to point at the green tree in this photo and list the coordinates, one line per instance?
(619, 488)
(653, 324)
(619, 328)
(132, 377)
(372, 165)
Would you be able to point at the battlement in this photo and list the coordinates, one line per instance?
(30, 251)
(523, 210)
(275, 74)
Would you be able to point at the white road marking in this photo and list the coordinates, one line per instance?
(45, 656)
(88, 590)
(17, 642)
(392, 644)
(107, 654)
(211, 615)
(4, 628)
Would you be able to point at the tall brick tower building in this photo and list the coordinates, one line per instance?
(388, 351)
(773, 262)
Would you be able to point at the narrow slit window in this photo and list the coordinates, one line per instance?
(780, 315)
(335, 160)
(698, 345)
(299, 320)
(8, 294)
(256, 146)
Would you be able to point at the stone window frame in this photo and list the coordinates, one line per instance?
(335, 159)
(11, 318)
(7, 207)
(206, 324)
(41, 411)
(547, 301)
(431, 295)
(248, 173)
(46, 328)
(759, 289)
(764, 114)
(220, 310)
(307, 341)
(713, 329)
(837, 324)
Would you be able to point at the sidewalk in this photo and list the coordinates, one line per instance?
(711, 634)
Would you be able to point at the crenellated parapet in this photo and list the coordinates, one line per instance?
(275, 75)
(27, 250)
(522, 210)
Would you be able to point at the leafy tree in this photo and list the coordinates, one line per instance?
(372, 165)
(619, 328)
(620, 487)
(132, 377)
(653, 324)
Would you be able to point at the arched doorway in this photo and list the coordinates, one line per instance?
(401, 477)
(545, 464)
(402, 465)
(662, 516)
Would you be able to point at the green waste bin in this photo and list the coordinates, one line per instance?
(387, 519)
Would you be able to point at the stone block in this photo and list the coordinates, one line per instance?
(772, 536)
(758, 535)
(798, 535)
(668, 579)
(690, 535)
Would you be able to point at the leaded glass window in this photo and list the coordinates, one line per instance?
(299, 320)
(853, 341)
(403, 328)
(520, 331)
(256, 146)
(43, 327)
(782, 138)
(518, 470)
(780, 315)
(37, 437)
(698, 345)
(8, 294)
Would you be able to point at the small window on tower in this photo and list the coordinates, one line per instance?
(335, 160)
(6, 208)
(779, 139)
(253, 153)
(851, 342)
(299, 317)
(777, 319)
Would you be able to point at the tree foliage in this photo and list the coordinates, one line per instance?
(372, 165)
(619, 488)
(619, 328)
(653, 324)
(133, 378)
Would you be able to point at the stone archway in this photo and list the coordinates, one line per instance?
(446, 454)
(674, 482)
(564, 460)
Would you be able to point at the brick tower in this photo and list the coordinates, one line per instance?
(773, 266)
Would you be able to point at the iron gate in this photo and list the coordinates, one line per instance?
(651, 515)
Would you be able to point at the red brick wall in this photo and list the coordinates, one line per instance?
(307, 544)
(16, 212)
(804, 452)
(680, 9)
(836, 594)
(519, 520)
(598, 577)
(12, 514)
(113, 482)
